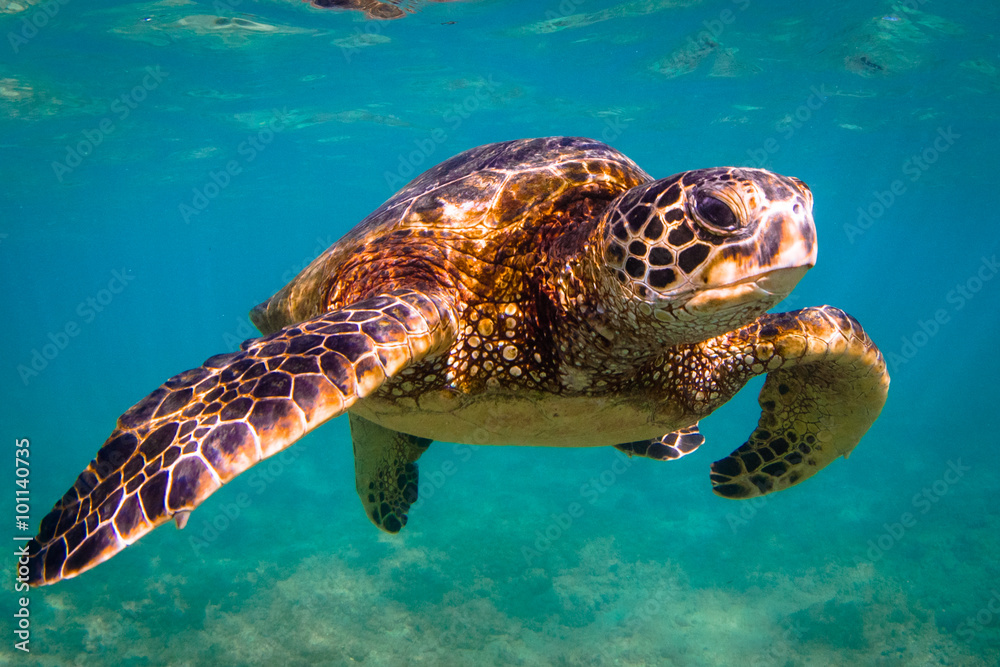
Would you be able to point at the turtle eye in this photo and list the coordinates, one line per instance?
(715, 214)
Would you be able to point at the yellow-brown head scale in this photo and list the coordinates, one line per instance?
(708, 250)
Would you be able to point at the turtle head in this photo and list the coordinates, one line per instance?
(709, 250)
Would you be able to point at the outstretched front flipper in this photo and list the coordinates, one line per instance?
(826, 384)
(205, 426)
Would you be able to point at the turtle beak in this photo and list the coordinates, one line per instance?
(765, 288)
(780, 282)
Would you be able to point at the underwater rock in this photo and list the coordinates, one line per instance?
(728, 64)
(688, 57)
(163, 23)
(361, 39)
(37, 100)
(565, 21)
(893, 43)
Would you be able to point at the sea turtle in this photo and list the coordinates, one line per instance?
(533, 292)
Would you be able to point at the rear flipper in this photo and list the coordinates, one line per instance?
(385, 471)
(669, 447)
(205, 426)
(826, 385)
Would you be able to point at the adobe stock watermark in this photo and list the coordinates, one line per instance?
(613, 128)
(958, 297)
(914, 167)
(590, 491)
(779, 649)
(458, 632)
(359, 38)
(233, 339)
(789, 125)
(22, 523)
(217, 181)
(87, 311)
(409, 163)
(30, 25)
(122, 107)
(924, 501)
(647, 610)
(748, 511)
(245, 330)
(261, 477)
(982, 619)
(565, 9)
(750, 507)
(322, 243)
(432, 481)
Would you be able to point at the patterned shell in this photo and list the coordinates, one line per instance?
(478, 222)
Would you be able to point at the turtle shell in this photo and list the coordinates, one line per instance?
(465, 224)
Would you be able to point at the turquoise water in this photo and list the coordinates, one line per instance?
(122, 265)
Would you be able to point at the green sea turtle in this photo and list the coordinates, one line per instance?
(533, 292)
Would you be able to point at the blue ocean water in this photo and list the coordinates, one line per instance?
(168, 165)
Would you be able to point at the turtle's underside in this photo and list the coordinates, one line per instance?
(533, 292)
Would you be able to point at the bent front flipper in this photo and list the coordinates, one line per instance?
(826, 384)
(204, 427)
(671, 446)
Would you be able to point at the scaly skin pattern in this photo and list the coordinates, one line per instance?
(532, 292)
(826, 384)
(203, 427)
